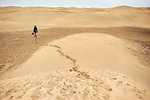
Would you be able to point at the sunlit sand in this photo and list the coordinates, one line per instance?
(86, 54)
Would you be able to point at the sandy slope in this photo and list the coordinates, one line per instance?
(91, 65)
(73, 85)
(17, 18)
(16, 47)
(93, 52)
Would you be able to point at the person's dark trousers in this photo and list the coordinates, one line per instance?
(35, 35)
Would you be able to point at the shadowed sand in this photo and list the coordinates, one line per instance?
(80, 53)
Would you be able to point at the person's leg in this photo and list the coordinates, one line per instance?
(35, 35)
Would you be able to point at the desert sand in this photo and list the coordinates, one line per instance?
(79, 54)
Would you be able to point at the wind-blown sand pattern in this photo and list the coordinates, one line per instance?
(79, 54)
(73, 84)
(66, 56)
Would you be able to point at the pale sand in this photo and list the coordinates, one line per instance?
(91, 65)
(18, 18)
(74, 85)
(93, 52)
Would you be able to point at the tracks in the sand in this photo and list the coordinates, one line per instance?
(73, 60)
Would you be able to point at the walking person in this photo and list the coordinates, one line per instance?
(35, 30)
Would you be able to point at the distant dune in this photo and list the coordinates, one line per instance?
(23, 18)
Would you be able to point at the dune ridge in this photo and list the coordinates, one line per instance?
(77, 65)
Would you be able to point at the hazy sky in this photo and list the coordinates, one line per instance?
(76, 3)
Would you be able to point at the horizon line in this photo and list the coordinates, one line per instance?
(77, 7)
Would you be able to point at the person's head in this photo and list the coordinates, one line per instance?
(34, 25)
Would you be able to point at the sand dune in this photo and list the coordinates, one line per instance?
(17, 18)
(80, 53)
(75, 84)
(88, 51)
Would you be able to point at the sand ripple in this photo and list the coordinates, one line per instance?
(74, 84)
